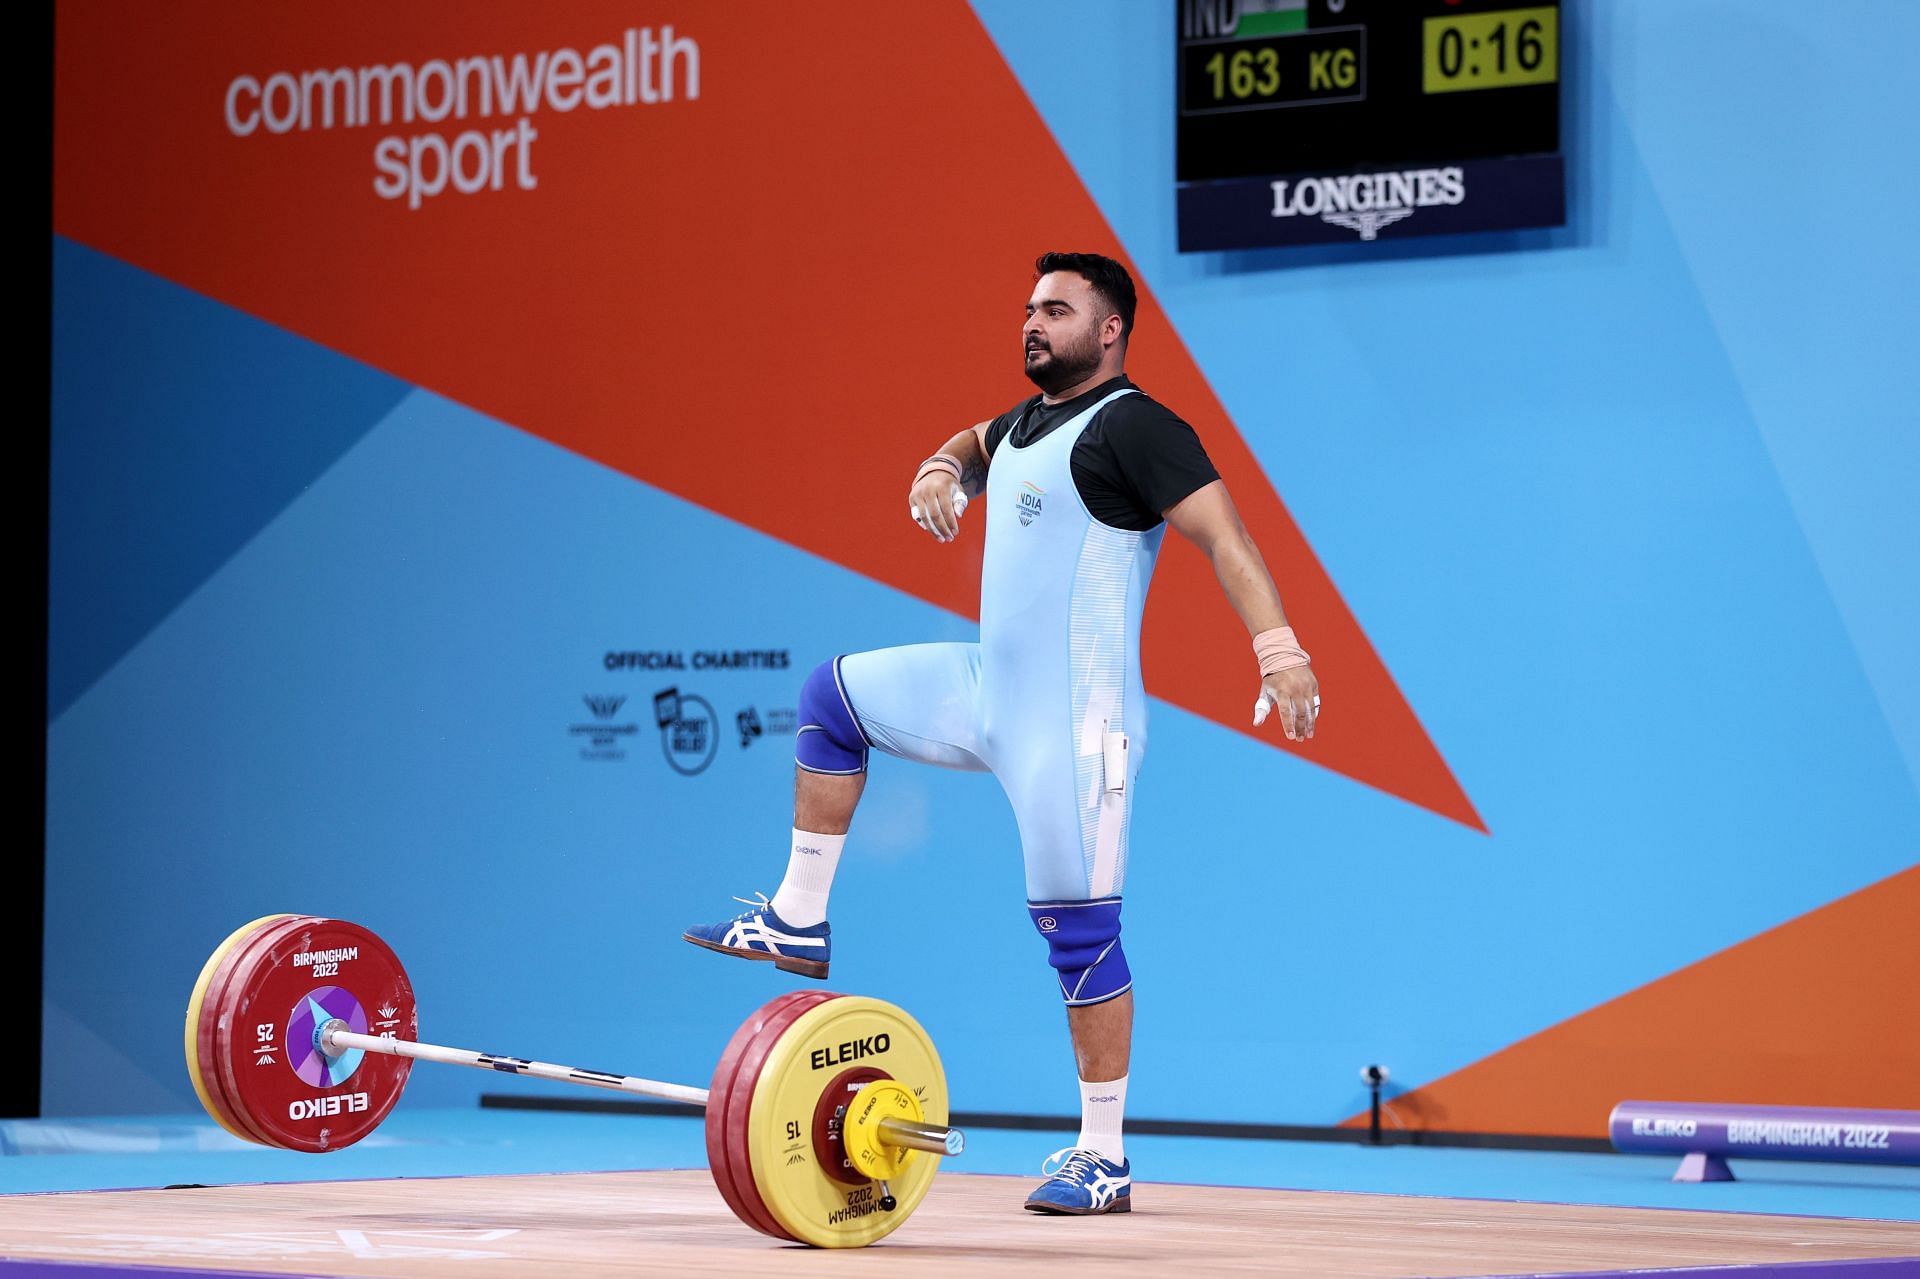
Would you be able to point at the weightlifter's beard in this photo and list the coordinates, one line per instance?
(1054, 368)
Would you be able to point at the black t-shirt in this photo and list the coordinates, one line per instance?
(1132, 462)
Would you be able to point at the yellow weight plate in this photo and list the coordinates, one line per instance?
(823, 1042)
(201, 1085)
(860, 1131)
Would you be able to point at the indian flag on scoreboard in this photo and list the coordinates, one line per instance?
(1269, 18)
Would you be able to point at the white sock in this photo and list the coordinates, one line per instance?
(1103, 1106)
(802, 899)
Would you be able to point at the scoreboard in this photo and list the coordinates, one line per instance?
(1320, 121)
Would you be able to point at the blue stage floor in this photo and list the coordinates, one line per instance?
(55, 1155)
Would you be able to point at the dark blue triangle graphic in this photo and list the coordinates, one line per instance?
(181, 427)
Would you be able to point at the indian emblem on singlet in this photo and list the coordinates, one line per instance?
(1030, 502)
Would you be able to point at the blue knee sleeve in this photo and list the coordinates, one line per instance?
(1083, 945)
(829, 740)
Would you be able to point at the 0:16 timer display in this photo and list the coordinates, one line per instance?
(1490, 50)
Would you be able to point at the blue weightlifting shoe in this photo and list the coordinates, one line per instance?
(758, 933)
(1083, 1185)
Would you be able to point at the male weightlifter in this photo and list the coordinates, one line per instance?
(1082, 481)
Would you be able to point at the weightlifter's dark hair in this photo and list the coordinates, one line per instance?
(1108, 278)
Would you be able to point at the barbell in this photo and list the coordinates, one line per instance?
(301, 1032)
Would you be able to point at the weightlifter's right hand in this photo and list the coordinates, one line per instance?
(936, 502)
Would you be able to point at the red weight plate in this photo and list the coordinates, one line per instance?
(719, 1105)
(722, 1084)
(237, 1041)
(283, 989)
(216, 1016)
(218, 1029)
(725, 1074)
(736, 1115)
(740, 1107)
(199, 1011)
(828, 1114)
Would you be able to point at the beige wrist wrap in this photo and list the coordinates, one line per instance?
(1278, 651)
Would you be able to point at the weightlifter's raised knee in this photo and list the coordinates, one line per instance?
(1083, 947)
(829, 738)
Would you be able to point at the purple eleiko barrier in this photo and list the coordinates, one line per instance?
(1709, 1135)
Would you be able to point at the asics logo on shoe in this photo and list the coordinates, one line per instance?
(752, 932)
(1102, 1189)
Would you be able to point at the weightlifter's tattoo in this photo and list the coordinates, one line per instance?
(973, 474)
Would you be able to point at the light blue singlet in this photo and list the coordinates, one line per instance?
(1043, 699)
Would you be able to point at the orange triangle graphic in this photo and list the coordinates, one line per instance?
(1760, 1023)
(772, 300)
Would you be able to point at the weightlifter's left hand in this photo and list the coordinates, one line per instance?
(1295, 693)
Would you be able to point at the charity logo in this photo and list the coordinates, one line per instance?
(602, 734)
(605, 706)
(689, 730)
(778, 721)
